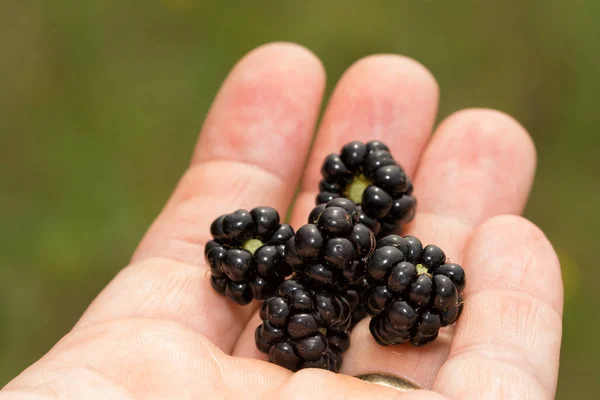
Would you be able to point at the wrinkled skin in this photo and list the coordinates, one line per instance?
(159, 331)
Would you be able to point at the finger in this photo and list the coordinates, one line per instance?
(480, 163)
(509, 337)
(246, 345)
(385, 97)
(251, 151)
(163, 360)
(318, 384)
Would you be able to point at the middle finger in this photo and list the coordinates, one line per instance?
(389, 98)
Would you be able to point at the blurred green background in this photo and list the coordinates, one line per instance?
(101, 101)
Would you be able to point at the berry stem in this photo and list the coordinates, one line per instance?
(354, 191)
(252, 245)
(423, 270)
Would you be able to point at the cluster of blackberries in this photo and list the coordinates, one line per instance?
(247, 254)
(332, 248)
(304, 327)
(412, 291)
(306, 323)
(320, 281)
(369, 176)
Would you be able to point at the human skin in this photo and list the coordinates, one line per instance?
(158, 330)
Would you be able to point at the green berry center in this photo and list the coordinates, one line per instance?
(423, 270)
(354, 191)
(323, 331)
(252, 245)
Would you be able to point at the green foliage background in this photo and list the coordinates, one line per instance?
(101, 101)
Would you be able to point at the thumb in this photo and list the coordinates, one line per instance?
(319, 384)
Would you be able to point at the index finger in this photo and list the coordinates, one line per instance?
(251, 152)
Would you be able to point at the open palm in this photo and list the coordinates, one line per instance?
(159, 330)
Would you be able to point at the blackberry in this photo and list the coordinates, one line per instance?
(367, 174)
(331, 249)
(413, 291)
(304, 327)
(247, 254)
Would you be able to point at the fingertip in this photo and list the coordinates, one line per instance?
(389, 68)
(266, 110)
(512, 224)
(380, 97)
(484, 158)
(496, 128)
(392, 92)
(282, 56)
(524, 259)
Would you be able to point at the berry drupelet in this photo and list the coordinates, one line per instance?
(368, 175)
(246, 255)
(413, 291)
(304, 327)
(331, 249)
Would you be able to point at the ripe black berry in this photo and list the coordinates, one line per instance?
(368, 175)
(304, 327)
(331, 249)
(247, 254)
(412, 292)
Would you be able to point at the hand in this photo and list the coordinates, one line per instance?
(159, 330)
